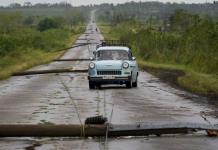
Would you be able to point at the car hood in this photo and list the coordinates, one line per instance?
(109, 64)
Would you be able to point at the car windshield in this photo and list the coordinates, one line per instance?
(112, 55)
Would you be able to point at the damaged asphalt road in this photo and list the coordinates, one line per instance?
(44, 99)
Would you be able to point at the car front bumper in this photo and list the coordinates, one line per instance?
(114, 80)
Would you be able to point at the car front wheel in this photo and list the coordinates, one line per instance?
(91, 85)
(135, 84)
(129, 84)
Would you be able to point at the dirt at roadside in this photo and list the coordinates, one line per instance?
(171, 77)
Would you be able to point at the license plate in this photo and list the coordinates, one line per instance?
(108, 77)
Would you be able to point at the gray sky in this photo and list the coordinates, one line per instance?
(86, 2)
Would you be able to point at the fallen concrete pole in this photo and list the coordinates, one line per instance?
(88, 43)
(50, 71)
(88, 33)
(85, 39)
(51, 130)
(74, 59)
(100, 130)
(75, 46)
(159, 129)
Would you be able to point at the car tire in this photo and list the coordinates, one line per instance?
(135, 84)
(91, 85)
(99, 86)
(129, 84)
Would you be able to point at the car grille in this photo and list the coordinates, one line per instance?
(114, 72)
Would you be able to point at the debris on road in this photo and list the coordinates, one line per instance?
(36, 72)
(212, 133)
(96, 120)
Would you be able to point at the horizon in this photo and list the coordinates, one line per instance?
(97, 2)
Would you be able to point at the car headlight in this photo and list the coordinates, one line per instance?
(92, 65)
(125, 65)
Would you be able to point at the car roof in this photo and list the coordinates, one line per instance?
(113, 48)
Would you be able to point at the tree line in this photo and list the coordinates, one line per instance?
(28, 4)
(183, 38)
(152, 10)
(20, 32)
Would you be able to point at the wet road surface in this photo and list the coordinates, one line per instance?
(66, 99)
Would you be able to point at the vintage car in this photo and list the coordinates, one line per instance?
(113, 64)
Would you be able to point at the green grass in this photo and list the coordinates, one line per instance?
(191, 80)
(106, 31)
(195, 82)
(39, 11)
(20, 60)
(10, 64)
(199, 83)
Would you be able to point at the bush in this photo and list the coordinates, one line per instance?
(48, 23)
(29, 20)
(194, 46)
(6, 45)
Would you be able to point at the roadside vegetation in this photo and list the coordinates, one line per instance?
(27, 40)
(183, 44)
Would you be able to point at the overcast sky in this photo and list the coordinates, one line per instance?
(86, 2)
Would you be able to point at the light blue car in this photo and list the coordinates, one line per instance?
(113, 65)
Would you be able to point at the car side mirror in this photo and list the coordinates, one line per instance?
(91, 58)
(133, 58)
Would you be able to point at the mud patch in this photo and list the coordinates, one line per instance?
(211, 113)
(170, 76)
(166, 75)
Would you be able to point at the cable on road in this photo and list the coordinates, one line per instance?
(108, 124)
(105, 111)
(75, 106)
(110, 119)
(203, 115)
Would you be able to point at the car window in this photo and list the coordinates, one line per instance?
(112, 55)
